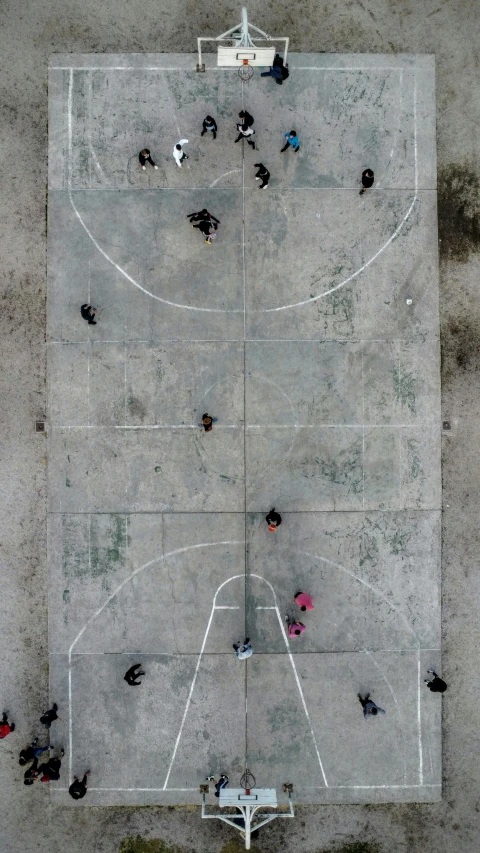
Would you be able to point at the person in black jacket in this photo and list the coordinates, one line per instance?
(209, 123)
(435, 684)
(247, 119)
(202, 215)
(273, 519)
(88, 314)
(367, 180)
(262, 173)
(78, 788)
(145, 157)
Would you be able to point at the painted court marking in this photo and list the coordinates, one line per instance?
(298, 304)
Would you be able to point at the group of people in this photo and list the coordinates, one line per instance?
(49, 770)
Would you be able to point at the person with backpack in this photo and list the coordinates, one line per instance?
(278, 71)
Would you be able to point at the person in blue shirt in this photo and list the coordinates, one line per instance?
(370, 709)
(292, 139)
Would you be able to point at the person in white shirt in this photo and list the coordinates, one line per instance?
(179, 153)
(245, 132)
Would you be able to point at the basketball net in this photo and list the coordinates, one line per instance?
(245, 72)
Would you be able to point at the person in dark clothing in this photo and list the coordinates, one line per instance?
(293, 140)
(208, 229)
(50, 716)
(145, 157)
(208, 422)
(88, 313)
(247, 119)
(131, 675)
(262, 173)
(275, 71)
(5, 726)
(278, 71)
(370, 709)
(209, 123)
(78, 788)
(31, 773)
(32, 751)
(222, 783)
(273, 519)
(367, 180)
(202, 215)
(435, 684)
(51, 769)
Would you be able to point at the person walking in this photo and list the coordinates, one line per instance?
(31, 773)
(88, 314)
(293, 140)
(273, 519)
(243, 651)
(295, 628)
(245, 133)
(32, 751)
(435, 684)
(51, 769)
(208, 422)
(367, 180)
(202, 215)
(247, 119)
(209, 124)
(370, 709)
(78, 788)
(179, 153)
(145, 157)
(262, 174)
(5, 726)
(304, 601)
(131, 675)
(48, 717)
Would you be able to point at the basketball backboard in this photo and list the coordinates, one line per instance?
(233, 57)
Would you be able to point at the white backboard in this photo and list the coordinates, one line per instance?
(232, 57)
(257, 796)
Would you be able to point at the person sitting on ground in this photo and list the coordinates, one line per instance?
(435, 684)
(88, 313)
(273, 519)
(304, 601)
(51, 769)
(131, 675)
(31, 773)
(5, 726)
(295, 628)
(32, 751)
(78, 788)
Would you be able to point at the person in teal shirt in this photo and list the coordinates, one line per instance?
(292, 139)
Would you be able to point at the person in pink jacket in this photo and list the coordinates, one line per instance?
(304, 601)
(295, 628)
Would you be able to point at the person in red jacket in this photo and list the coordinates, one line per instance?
(5, 726)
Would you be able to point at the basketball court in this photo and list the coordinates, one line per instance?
(310, 330)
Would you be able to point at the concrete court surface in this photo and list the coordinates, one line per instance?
(29, 35)
(324, 374)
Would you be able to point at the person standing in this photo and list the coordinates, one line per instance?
(222, 783)
(435, 684)
(295, 628)
(179, 153)
(131, 675)
(370, 709)
(209, 124)
(88, 313)
(5, 726)
(78, 788)
(304, 601)
(273, 519)
(48, 717)
(145, 157)
(367, 180)
(243, 651)
(293, 140)
(245, 133)
(262, 174)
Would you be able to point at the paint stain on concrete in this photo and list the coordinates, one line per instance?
(404, 387)
(98, 559)
(458, 212)
(414, 463)
(136, 408)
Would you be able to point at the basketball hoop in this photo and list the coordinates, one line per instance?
(245, 72)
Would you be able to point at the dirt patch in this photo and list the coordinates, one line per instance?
(458, 212)
(460, 348)
(146, 845)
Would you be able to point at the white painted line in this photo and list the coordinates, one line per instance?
(225, 175)
(371, 787)
(319, 426)
(102, 608)
(225, 607)
(419, 720)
